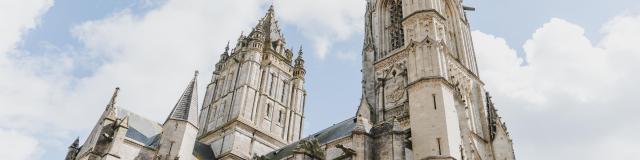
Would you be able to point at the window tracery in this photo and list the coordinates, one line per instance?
(395, 28)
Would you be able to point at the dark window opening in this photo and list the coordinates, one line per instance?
(395, 29)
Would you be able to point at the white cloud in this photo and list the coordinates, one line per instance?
(151, 56)
(578, 95)
(325, 22)
(17, 146)
(18, 17)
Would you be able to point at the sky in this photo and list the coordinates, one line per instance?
(562, 73)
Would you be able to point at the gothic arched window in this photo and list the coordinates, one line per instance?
(395, 27)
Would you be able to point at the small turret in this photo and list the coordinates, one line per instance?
(223, 58)
(240, 43)
(225, 55)
(299, 70)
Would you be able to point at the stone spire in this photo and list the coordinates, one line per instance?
(299, 70)
(268, 30)
(225, 54)
(112, 101)
(187, 107)
(75, 143)
(300, 60)
(110, 110)
(73, 150)
(240, 42)
(226, 49)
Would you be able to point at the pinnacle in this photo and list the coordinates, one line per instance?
(300, 51)
(76, 142)
(112, 102)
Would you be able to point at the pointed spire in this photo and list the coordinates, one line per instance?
(187, 107)
(225, 54)
(300, 60)
(240, 38)
(112, 102)
(110, 110)
(299, 70)
(267, 30)
(75, 143)
(271, 7)
(364, 110)
(226, 49)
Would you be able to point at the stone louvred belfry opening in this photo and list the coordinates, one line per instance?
(422, 98)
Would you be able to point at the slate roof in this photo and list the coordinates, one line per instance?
(337, 131)
(141, 130)
(147, 132)
(187, 106)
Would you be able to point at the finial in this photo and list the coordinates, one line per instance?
(196, 73)
(300, 51)
(226, 49)
(271, 7)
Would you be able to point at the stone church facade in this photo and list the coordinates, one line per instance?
(422, 99)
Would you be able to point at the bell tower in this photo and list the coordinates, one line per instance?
(254, 103)
(419, 70)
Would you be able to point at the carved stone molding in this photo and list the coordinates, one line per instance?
(396, 58)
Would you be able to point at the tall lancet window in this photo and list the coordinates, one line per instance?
(395, 27)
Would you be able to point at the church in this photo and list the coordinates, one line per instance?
(422, 98)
